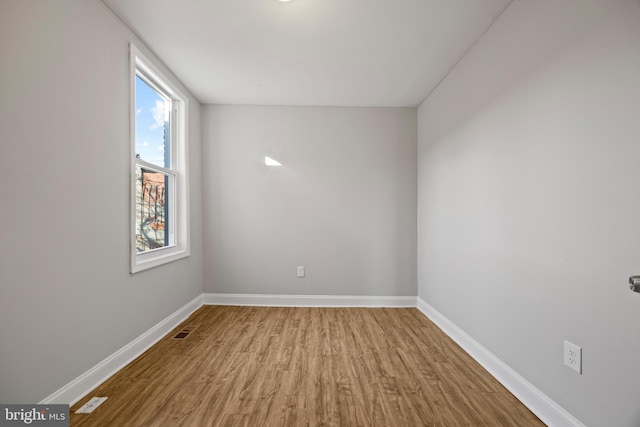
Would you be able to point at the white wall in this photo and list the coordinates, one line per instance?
(528, 199)
(343, 204)
(67, 299)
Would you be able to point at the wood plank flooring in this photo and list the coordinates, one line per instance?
(270, 366)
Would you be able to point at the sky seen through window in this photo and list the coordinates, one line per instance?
(151, 111)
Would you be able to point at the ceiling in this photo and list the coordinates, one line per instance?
(310, 52)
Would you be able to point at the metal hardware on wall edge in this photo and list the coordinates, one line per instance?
(634, 283)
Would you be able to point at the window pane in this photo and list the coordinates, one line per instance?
(151, 210)
(152, 125)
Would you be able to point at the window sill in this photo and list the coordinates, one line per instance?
(157, 257)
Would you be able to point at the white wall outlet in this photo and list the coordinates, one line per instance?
(573, 356)
(301, 271)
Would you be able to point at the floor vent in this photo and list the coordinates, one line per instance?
(184, 333)
(88, 407)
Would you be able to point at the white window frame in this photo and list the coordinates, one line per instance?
(178, 224)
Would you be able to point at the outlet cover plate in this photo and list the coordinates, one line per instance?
(573, 356)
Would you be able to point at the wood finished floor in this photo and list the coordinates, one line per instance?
(267, 366)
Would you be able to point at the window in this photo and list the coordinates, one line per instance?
(159, 191)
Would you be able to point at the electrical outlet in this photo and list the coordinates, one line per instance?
(573, 356)
(301, 271)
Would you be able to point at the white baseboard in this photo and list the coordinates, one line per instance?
(540, 404)
(308, 300)
(78, 388)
